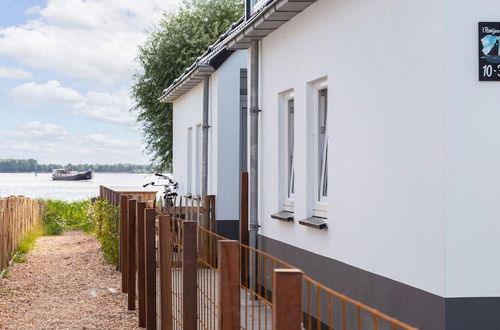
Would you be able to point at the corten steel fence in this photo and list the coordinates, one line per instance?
(18, 215)
(325, 308)
(193, 278)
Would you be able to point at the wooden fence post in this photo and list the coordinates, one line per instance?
(132, 265)
(229, 284)
(123, 242)
(189, 276)
(141, 264)
(287, 299)
(165, 257)
(150, 273)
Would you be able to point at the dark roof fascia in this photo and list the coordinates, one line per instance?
(265, 20)
(207, 63)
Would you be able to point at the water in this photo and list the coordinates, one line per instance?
(42, 185)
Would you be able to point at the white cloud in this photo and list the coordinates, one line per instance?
(109, 107)
(13, 73)
(44, 142)
(95, 40)
(38, 129)
(32, 93)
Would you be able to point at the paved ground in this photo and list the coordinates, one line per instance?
(64, 285)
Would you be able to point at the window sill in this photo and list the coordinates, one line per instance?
(283, 216)
(314, 222)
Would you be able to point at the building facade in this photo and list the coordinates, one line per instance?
(379, 141)
(226, 85)
(376, 151)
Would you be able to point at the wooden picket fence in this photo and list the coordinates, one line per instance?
(18, 215)
(180, 274)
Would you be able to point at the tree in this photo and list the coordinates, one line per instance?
(180, 38)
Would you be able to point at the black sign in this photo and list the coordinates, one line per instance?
(489, 51)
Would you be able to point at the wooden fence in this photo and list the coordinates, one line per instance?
(185, 276)
(18, 215)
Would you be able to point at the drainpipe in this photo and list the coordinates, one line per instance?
(205, 127)
(254, 143)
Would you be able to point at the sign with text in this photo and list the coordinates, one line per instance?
(489, 51)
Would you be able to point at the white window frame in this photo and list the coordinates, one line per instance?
(189, 160)
(197, 142)
(257, 4)
(288, 173)
(320, 203)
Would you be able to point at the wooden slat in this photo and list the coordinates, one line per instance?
(287, 299)
(141, 263)
(131, 250)
(150, 272)
(189, 276)
(229, 284)
(165, 258)
(124, 242)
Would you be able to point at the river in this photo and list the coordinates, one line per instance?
(42, 185)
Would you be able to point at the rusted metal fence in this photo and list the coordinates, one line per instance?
(189, 277)
(18, 215)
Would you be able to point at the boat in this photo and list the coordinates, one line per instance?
(70, 175)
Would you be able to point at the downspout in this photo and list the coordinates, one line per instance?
(205, 127)
(254, 143)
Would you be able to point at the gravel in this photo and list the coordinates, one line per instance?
(64, 284)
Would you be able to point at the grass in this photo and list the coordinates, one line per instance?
(99, 219)
(61, 215)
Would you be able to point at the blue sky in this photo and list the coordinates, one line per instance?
(65, 76)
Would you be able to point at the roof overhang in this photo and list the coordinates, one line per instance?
(267, 19)
(188, 81)
(240, 36)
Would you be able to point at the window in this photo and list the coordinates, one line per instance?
(290, 158)
(319, 107)
(287, 149)
(256, 4)
(197, 175)
(322, 145)
(189, 159)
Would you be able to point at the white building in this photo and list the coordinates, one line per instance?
(225, 74)
(373, 123)
(379, 141)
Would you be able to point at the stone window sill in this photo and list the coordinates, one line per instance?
(283, 216)
(314, 222)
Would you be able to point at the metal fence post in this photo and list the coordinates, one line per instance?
(189, 276)
(132, 265)
(229, 284)
(150, 273)
(287, 299)
(141, 264)
(165, 258)
(123, 242)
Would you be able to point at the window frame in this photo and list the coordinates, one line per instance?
(320, 203)
(189, 160)
(256, 5)
(288, 199)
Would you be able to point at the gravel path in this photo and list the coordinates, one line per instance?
(64, 285)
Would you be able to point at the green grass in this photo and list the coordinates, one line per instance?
(61, 215)
(27, 243)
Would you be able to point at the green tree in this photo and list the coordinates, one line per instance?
(172, 46)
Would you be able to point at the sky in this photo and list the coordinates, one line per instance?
(66, 68)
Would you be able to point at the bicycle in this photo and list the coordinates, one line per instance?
(169, 189)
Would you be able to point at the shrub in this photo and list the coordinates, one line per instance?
(54, 224)
(74, 214)
(104, 221)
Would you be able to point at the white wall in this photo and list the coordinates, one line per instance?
(188, 112)
(384, 64)
(224, 116)
(473, 157)
(227, 95)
